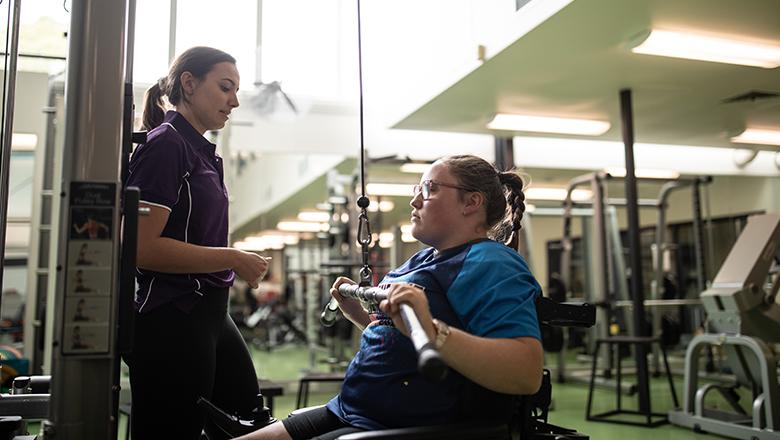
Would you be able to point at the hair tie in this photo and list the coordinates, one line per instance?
(162, 83)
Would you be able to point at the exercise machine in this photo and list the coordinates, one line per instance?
(744, 320)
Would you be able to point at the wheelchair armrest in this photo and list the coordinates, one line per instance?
(459, 431)
(565, 314)
(295, 412)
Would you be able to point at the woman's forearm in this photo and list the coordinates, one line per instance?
(162, 254)
(511, 366)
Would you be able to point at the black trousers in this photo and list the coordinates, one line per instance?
(179, 357)
(317, 424)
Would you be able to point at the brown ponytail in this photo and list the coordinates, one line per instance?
(154, 111)
(503, 191)
(198, 61)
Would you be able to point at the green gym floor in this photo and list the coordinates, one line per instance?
(286, 364)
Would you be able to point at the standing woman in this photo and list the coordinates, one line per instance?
(185, 345)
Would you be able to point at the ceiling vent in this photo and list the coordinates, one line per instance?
(752, 96)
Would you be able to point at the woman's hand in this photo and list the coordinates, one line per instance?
(250, 267)
(413, 296)
(350, 307)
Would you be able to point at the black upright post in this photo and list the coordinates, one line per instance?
(698, 237)
(632, 209)
(505, 155)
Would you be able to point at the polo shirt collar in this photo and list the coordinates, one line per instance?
(188, 132)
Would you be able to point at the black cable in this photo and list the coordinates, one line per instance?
(364, 227)
(5, 73)
(360, 81)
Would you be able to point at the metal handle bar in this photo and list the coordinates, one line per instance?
(429, 361)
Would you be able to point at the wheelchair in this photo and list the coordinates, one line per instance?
(529, 419)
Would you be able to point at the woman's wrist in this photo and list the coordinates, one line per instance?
(229, 256)
(358, 316)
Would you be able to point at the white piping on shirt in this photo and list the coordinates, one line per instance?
(155, 204)
(148, 295)
(189, 208)
(187, 225)
(178, 191)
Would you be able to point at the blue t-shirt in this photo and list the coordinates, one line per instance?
(483, 288)
(177, 169)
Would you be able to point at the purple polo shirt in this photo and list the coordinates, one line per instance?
(177, 169)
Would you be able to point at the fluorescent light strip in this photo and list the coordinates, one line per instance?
(758, 136)
(389, 189)
(415, 168)
(313, 216)
(550, 193)
(24, 141)
(645, 173)
(383, 206)
(546, 124)
(272, 240)
(706, 48)
(290, 226)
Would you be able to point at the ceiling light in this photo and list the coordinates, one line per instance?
(249, 246)
(644, 173)
(385, 239)
(313, 216)
(389, 189)
(758, 136)
(382, 206)
(291, 239)
(546, 124)
(408, 238)
(550, 193)
(708, 48)
(267, 240)
(302, 226)
(24, 141)
(417, 168)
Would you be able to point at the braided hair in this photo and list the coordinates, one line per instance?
(503, 191)
(198, 61)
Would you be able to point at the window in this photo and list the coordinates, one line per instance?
(312, 53)
(227, 25)
(20, 184)
(152, 23)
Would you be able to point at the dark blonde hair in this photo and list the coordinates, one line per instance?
(198, 61)
(503, 191)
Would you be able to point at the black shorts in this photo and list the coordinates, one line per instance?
(317, 424)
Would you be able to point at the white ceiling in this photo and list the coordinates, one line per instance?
(575, 63)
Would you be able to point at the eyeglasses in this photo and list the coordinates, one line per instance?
(431, 186)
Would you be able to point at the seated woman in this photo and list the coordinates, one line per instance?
(474, 296)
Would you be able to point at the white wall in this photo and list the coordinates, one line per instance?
(270, 179)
